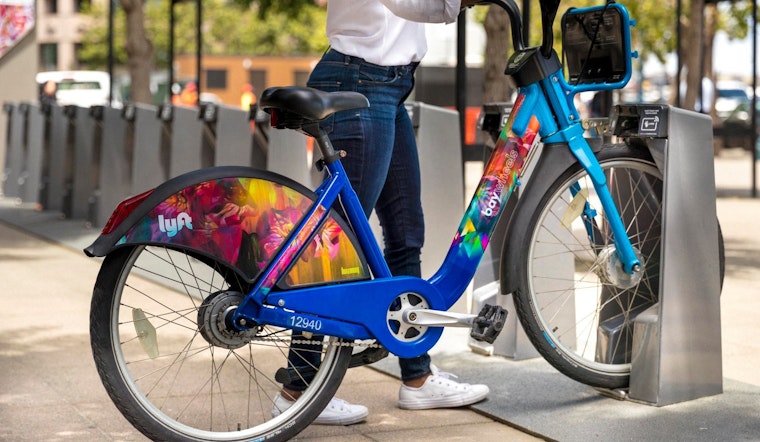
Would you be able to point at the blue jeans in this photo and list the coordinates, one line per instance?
(381, 162)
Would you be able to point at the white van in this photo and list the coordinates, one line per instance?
(80, 88)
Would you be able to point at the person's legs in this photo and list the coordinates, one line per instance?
(366, 135)
(366, 166)
(383, 166)
(385, 173)
(399, 210)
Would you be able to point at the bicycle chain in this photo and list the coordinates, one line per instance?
(373, 344)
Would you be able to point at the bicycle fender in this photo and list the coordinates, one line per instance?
(554, 160)
(241, 217)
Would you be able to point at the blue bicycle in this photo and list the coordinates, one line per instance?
(218, 284)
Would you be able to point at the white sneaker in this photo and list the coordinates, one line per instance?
(337, 412)
(440, 391)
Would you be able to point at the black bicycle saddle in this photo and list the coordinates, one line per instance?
(312, 104)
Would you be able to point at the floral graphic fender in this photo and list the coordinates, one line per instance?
(244, 221)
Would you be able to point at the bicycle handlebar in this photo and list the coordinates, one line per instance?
(514, 18)
(549, 10)
(548, 13)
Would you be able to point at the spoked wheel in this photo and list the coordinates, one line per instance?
(175, 369)
(575, 302)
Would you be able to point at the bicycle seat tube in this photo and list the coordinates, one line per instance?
(336, 185)
(350, 201)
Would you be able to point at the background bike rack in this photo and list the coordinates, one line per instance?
(82, 162)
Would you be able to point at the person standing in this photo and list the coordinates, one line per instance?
(376, 45)
(248, 103)
(188, 96)
(48, 94)
(247, 97)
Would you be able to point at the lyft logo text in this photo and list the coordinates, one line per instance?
(171, 226)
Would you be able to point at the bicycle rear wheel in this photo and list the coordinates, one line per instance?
(574, 301)
(176, 372)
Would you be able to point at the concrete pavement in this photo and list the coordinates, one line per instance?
(50, 390)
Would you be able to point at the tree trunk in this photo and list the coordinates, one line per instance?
(693, 55)
(496, 86)
(139, 51)
(711, 18)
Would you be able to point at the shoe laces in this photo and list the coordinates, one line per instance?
(441, 374)
(338, 404)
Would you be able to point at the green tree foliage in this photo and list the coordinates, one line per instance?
(228, 29)
(295, 27)
(735, 18)
(655, 30)
(265, 7)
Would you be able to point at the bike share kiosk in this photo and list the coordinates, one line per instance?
(676, 343)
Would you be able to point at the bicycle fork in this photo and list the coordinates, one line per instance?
(623, 247)
(570, 131)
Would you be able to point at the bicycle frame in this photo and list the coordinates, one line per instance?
(362, 309)
(335, 313)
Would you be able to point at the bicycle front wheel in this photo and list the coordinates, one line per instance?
(575, 302)
(174, 369)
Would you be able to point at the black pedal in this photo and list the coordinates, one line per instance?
(368, 356)
(488, 324)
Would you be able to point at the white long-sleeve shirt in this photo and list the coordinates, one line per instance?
(385, 32)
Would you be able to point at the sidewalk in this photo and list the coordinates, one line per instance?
(51, 392)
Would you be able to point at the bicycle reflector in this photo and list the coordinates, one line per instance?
(274, 117)
(123, 210)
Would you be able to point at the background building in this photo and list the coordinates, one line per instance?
(224, 75)
(59, 31)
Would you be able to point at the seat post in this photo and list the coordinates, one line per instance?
(323, 142)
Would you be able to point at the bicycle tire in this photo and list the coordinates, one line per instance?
(171, 377)
(562, 298)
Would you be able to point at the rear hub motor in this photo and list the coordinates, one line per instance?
(215, 321)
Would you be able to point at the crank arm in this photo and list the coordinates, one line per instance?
(437, 318)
